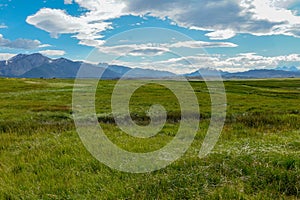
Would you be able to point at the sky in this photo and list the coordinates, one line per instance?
(175, 35)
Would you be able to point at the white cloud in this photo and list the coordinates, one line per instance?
(159, 49)
(86, 28)
(55, 21)
(68, 1)
(19, 43)
(201, 44)
(243, 62)
(133, 49)
(148, 51)
(91, 42)
(221, 34)
(6, 56)
(44, 45)
(288, 22)
(3, 26)
(53, 52)
(238, 63)
(266, 9)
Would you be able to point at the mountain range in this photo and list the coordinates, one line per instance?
(36, 66)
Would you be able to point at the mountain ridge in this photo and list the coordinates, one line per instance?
(37, 65)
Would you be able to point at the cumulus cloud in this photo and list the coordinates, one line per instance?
(208, 15)
(86, 28)
(276, 11)
(53, 52)
(55, 21)
(19, 43)
(222, 18)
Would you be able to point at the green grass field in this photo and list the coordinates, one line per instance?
(256, 157)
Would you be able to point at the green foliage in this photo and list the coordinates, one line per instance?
(257, 156)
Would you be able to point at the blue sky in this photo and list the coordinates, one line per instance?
(230, 35)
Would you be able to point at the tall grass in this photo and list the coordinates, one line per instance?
(257, 156)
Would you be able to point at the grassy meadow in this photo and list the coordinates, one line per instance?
(256, 157)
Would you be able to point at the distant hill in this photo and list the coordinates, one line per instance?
(128, 72)
(117, 68)
(263, 73)
(206, 72)
(256, 73)
(147, 73)
(289, 69)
